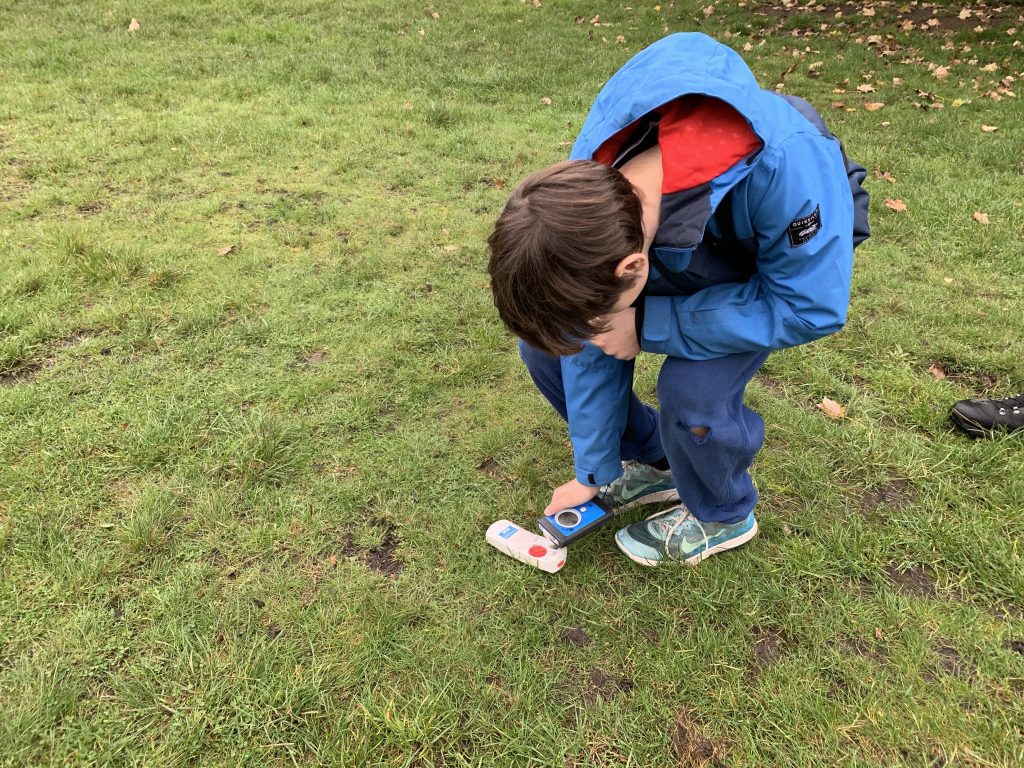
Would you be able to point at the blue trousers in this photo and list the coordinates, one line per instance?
(711, 471)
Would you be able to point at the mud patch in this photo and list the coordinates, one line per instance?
(216, 558)
(315, 358)
(769, 383)
(489, 467)
(856, 647)
(21, 375)
(981, 384)
(913, 582)
(575, 636)
(769, 646)
(604, 687)
(895, 494)
(90, 207)
(74, 338)
(381, 558)
(690, 746)
(952, 663)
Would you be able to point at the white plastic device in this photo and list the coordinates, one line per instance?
(527, 547)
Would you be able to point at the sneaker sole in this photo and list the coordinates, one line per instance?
(725, 545)
(651, 498)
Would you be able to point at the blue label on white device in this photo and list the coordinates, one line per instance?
(509, 532)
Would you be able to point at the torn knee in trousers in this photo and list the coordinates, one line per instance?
(700, 435)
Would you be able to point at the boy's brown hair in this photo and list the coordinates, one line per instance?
(554, 250)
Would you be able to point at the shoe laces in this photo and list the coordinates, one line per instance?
(670, 528)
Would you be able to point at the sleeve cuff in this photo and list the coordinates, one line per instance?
(600, 475)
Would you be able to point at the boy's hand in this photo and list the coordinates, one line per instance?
(571, 494)
(619, 340)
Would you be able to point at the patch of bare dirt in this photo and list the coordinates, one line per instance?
(691, 747)
(980, 384)
(23, 374)
(90, 207)
(768, 647)
(314, 358)
(913, 582)
(604, 686)
(952, 663)
(851, 647)
(575, 636)
(381, 558)
(489, 467)
(895, 494)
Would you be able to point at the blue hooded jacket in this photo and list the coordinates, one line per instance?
(757, 258)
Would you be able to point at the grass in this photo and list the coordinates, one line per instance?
(243, 492)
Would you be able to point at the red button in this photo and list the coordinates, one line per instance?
(537, 551)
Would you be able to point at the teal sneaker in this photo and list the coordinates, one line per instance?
(677, 535)
(639, 484)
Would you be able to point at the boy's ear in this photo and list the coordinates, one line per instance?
(631, 265)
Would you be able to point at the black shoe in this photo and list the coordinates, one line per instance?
(979, 418)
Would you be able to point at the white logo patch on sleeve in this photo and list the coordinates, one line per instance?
(802, 230)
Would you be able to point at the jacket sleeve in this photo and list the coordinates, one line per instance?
(597, 388)
(799, 203)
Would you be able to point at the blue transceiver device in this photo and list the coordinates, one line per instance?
(570, 524)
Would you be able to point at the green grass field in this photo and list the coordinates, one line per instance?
(257, 410)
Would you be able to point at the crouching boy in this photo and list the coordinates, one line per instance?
(700, 218)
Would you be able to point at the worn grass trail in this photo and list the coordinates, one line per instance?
(256, 409)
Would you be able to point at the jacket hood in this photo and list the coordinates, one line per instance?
(677, 65)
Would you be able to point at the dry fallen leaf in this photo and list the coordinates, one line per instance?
(941, 72)
(937, 371)
(867, 12)
(134, 26)
(865, 88)
(449, 248)
(225, 250)
(831, 408)
(989, 128)
(947, 280)
(878, 633)
(748, 47)
(965, 13)
(884, 175)
(896, 205)
(546, 101)
(990, 67)
(981, 218)
(874, 106)
(620, 39)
